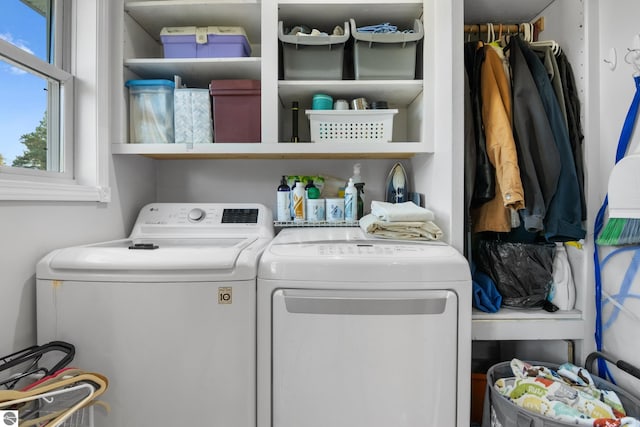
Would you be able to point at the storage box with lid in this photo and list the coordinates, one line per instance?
(151, 111)
(236, 110)
(205, 42)
(192, 116)
(313, 57)
(385, 55)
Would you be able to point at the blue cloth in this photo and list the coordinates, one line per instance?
(485, 293)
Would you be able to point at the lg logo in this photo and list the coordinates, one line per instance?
(9, 418)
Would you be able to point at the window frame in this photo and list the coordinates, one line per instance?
(82, 28)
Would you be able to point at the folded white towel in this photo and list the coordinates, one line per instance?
(401, 230)
(407, 211)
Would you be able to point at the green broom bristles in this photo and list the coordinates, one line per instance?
(620, 231)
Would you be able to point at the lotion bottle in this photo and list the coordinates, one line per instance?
(283, 203)
(299, 202)
(350, 202)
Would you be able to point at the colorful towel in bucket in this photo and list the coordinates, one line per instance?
(568, 394)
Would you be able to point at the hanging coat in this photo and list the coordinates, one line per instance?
(576, 136)
(538, 156)
(563, 220)
(484, 182)
(495, 215)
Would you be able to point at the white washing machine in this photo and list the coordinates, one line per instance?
(168, 315)
(362, 332)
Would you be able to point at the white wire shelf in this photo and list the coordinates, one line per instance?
(315, 223)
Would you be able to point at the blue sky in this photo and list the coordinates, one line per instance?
(23, 98)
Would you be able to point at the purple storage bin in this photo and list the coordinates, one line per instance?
(205, 42)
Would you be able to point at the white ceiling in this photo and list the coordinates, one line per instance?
(503, 11)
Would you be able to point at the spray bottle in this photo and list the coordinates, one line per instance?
(359, 184)
(350, 202)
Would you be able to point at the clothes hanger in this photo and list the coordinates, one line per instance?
(632, 57)
(29, 362)
(491, 35)
(57, 405)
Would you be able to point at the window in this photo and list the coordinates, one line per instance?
(47, 152)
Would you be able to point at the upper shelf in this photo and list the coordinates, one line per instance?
(154, 15)
(398, 93)
(334, 12)
(274, 150)
(196, 72)
(503, 11)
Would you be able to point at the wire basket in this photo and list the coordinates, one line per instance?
(351, 125)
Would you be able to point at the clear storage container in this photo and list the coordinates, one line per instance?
(150, 111)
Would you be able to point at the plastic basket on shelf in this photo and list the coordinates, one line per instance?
(351, 125)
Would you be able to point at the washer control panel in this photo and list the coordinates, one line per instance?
(202, 218)
(172, 214)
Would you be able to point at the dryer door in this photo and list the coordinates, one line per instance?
(355, 358)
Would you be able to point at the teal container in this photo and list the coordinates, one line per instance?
(322, 102)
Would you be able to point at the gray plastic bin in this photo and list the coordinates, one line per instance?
(499, 411)
(385, 56)
(313, 57)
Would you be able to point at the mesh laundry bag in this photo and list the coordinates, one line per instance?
(499, 411)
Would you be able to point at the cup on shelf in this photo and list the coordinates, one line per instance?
(359, 104)
(341, 104)
(322, 101)
(379, 105)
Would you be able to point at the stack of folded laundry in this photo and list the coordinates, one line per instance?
(402, 221)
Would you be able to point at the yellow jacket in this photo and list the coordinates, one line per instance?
(501, 148)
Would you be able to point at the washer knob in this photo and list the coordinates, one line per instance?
(196, 215)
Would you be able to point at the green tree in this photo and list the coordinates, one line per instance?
(35, 156)
(2, 162)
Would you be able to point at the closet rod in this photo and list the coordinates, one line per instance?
(506, 28)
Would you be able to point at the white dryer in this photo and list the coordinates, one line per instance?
(362, 332)
(168, 315)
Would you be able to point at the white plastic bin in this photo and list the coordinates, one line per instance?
(351, 125)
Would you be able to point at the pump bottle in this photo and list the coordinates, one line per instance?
(350, 202)
(312, 191)
(283, 203)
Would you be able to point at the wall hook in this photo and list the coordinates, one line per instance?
(612, 59)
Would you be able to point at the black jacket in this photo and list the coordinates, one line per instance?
(484, 182)
(538, 156)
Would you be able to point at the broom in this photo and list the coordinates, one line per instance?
(623, 226)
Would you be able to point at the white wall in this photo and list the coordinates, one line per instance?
(29, 230)
(257, 180)
(618, 23)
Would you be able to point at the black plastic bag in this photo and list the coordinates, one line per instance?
(522, 272)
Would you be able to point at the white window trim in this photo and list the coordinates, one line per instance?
(90, 66)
